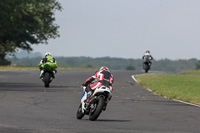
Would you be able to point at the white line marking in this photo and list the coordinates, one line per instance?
(133, 77)
(187, 103)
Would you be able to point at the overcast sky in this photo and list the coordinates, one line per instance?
(127, 28)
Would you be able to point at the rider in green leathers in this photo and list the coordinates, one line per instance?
(47, 58)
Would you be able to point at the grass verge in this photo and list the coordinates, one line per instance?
(180, 87)
(191, 72)
(5, 68)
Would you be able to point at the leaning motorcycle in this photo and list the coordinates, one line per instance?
(48, 73)
(146, 64)
(93, 105)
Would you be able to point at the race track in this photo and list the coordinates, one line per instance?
(26, 106)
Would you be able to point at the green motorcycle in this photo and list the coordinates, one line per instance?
(49, 70)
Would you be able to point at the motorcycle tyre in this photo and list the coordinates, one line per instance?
(146, 68)
(46, 79)
(79, 114)
(94, 115)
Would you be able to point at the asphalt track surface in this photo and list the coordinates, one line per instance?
(28, 107)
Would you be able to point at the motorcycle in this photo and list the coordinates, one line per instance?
(48, 73)
(94, 105)
(146, 64)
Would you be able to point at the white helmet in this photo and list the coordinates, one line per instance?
(47, 53)
(104, 68)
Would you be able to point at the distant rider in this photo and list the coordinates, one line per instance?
(147, 57)
(47, 58)
(101, 77)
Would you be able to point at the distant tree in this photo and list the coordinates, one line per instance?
(26, 22)
(197, 65)
(130, 68)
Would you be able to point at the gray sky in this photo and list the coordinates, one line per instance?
(127, 28)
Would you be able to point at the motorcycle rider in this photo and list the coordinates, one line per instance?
(147, 56)
(101, 77)
(47, 58)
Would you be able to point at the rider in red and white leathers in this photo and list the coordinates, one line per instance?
(102, 77)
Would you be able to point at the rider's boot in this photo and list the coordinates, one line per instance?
(54, 74)
(41, 73)
(89, 94)
(89, 91)
(106, 103)
(104, 107)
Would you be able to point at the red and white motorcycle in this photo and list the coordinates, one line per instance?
(94, 105)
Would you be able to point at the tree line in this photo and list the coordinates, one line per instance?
(165, 65)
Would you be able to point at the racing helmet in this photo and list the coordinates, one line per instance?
(147, 51)
(47, 53)
(104, 68)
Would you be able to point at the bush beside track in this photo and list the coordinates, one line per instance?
(175, 86)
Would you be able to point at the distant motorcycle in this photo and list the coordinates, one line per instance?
(95, 103)
(146, 64)
(48, 73)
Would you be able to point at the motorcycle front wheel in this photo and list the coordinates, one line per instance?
(79, 114)
(96, 109)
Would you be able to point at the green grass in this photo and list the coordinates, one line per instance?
(191, 72)
(180, 87)
(5, 68)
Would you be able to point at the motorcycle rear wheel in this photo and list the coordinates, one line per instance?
(146, 67)
(96, 111)
(46, 79)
